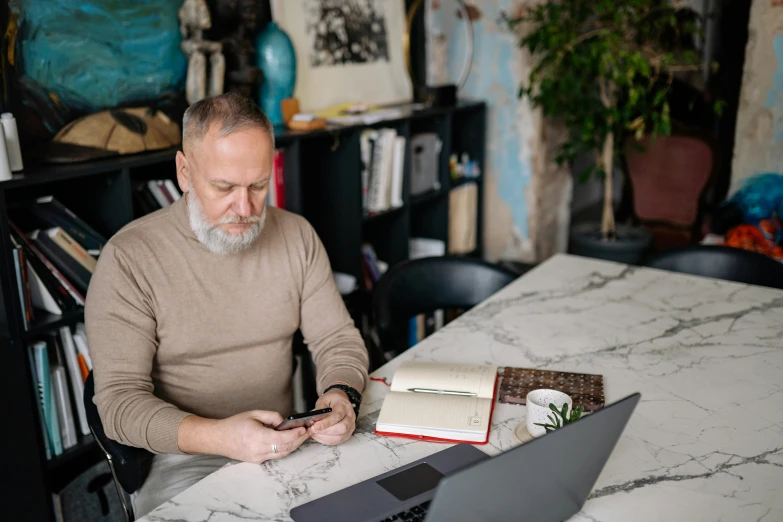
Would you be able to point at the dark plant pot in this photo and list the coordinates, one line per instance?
(630, 246)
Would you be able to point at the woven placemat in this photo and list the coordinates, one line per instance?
(584, 388)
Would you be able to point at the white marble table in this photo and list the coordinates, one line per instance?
(705, 442)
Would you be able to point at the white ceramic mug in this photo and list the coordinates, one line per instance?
(537, 403)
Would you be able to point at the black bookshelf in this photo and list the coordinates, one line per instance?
(322, 183)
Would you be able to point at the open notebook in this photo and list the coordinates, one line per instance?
(428, 415)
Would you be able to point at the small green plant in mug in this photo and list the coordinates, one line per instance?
(559, 419)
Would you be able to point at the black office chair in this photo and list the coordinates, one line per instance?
(427, 284)
(721, 262)
(129, 466)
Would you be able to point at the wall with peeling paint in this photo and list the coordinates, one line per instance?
(759, 136)
(527, 196)
(494, 78)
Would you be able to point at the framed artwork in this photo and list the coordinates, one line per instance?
(347, 51)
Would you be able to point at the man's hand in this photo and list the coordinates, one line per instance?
(247, 436)
(338, 426)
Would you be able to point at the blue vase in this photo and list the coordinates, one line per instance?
(276, 57)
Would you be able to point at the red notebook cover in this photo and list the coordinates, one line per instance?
(451, 441)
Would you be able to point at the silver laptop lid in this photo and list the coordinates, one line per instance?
(546, 479)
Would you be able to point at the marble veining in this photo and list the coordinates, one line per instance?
(705, 442)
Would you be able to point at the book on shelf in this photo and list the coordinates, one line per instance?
(43, 381)
(155, 194)
(51, 213)
(358, 114)
(54, 254)
(383, 162)
(55, 283)
(58, 375)
(372, 267)
(50, 243)
(22, 282)
(423, 325)
(276, 193)
(463, 212)
(441, 402)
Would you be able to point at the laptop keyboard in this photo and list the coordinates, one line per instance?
(414, 514)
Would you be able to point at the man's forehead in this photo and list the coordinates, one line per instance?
(214, 138)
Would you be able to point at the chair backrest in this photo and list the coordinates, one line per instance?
(129, 465)
(722, 262)
(427, 284)
(668, 179)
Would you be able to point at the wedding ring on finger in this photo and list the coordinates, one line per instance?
(274, 448)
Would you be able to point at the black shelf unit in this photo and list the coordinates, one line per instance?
(322, 183)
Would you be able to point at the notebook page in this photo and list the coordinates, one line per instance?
(442, 412)
(476, 378)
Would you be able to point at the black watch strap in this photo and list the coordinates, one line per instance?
(353, 395)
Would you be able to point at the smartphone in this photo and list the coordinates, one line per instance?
(305, 419)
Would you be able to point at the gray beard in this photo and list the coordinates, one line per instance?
(216, 239)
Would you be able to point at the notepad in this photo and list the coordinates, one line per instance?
(440, 402)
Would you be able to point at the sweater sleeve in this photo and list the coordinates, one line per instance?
(337, 347)
(121, 332)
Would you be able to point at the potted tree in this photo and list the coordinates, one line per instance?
(603, 68)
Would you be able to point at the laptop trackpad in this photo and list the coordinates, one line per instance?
(412, 481)
(377, 497)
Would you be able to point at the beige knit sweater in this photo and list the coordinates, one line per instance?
(175, 330)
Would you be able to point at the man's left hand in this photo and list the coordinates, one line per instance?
(338, 426)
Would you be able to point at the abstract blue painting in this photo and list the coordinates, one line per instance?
(97, 54)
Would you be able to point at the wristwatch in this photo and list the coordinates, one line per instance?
(354, 396)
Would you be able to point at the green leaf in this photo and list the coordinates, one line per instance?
(719, 106)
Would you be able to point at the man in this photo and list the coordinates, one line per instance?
(191, 311)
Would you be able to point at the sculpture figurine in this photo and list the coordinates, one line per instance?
(194, 19)
(242, 73)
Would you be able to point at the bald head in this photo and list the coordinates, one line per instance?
(223, 115)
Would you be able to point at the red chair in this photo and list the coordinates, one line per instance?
(668, 180)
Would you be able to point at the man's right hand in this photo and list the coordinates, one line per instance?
(247, 437)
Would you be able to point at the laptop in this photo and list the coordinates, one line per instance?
(546, 479)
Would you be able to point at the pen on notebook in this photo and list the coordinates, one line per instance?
(441, 392)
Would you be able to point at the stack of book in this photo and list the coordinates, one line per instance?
(383, 160)
(60, 365)
(55, 253)
(155, 194)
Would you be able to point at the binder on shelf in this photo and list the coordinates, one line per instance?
(425, 154)
(46, 396)
(39, 403)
